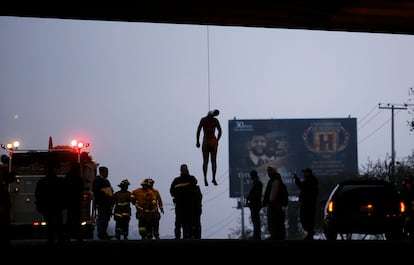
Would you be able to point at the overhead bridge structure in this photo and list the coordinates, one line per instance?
(375, 16)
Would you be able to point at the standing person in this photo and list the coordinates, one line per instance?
(5, 207)
(103, 193)
(49, 201)
(122, 210)
(6, 178)
(182, 190)
(209, 124)
(198, 210)
(160, 207)
(273, 202)
(309, 188)
(145, 202)
(254, 201)
(74, 195)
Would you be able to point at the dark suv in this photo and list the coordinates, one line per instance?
(364, 206)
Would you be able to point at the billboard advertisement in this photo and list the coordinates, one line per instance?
(328, 146)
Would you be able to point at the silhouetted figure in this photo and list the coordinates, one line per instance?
(198, 210)
(50, 202)
(6, 178)
(160, 208)
(74, 194)
(407, 195)
(103, 193)
(182, 190)
(254, 202)
(309, 188)
(273, 202)
(122, 210)
(5, 206)
(209, 124)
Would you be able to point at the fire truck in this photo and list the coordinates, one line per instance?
(28, 166)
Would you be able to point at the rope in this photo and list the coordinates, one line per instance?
(208, 67)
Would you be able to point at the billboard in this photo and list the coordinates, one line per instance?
(328, 146)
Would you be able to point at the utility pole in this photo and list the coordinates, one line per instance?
(393, 107)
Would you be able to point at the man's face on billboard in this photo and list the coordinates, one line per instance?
(258, 145)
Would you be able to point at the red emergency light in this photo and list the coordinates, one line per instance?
(79, 144)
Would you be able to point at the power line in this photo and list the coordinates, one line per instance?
(363, 125)
(366, 115)
(376, 130)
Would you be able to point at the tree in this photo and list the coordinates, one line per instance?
(411, 107)
(381, 170)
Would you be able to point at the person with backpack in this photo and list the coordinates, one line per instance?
(274, 201)
(308, 195)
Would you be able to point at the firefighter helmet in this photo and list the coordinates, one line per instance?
(146, 182)
(150, 181)
(124, 183)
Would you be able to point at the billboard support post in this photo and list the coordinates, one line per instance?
(242, 207)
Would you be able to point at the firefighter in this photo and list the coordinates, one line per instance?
(122, 210)
(145, 201)
(157, 215)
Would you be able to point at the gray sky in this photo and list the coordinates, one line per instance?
(136, 92)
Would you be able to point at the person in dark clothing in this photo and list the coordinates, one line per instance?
(122, 210)
(5, 207)
(209, 124)
(273, 202)
(198, 209)
(103, 193)
(74, 195)
(50, 202)
(182, 190)
(309, 188)
(254, 202)
(6, 178)
(407, 195)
